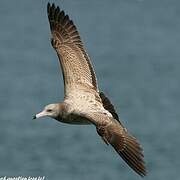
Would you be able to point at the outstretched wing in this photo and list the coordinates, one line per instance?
(112, 132)
(77, 70)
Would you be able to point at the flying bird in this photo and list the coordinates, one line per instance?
(83, 102)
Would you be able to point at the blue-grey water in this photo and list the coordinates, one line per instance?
(135, 48)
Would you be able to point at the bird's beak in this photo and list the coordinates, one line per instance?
(41, 114)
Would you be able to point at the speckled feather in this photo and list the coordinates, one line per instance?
(75, 63)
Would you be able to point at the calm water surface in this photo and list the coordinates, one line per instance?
(135, 48)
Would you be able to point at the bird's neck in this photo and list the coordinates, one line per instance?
(62, 111)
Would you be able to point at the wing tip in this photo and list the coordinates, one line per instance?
(132, 154)
(58, 16)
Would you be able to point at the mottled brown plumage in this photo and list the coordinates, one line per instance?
(74, 60)
(83, 103)
(127, 146)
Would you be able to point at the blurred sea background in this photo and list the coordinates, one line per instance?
(134, 46)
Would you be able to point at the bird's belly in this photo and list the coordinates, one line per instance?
(73, 119)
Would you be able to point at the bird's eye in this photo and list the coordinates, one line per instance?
(49, 110)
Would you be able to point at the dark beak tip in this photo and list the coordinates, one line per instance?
(34, 117)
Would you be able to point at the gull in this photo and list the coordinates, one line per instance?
(83, 102)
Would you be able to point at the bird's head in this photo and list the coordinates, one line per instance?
(51, 110)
